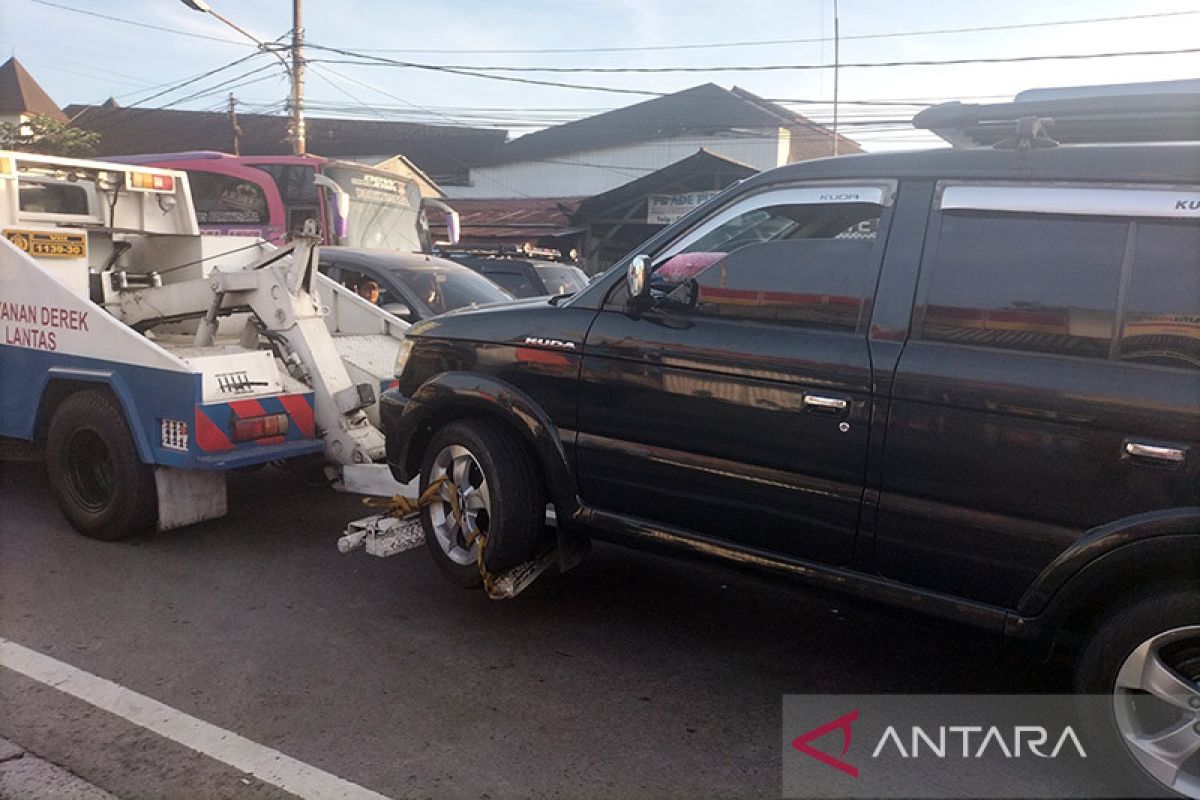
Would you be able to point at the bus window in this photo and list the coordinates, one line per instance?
(298, 216)
(298, 192)
(226, 200)
(294, 181)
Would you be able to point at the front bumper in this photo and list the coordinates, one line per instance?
(398, 429)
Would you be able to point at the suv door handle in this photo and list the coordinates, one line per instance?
(818, 402)
(1155, 452)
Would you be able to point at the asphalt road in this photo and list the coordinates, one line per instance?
(631, 676)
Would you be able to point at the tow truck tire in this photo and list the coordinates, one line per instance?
(513, 517)
(103, 488)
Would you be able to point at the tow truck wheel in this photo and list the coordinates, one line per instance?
(103, 488)
(492, 488)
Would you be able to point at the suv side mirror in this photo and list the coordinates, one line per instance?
(399, 309)
(637, 277)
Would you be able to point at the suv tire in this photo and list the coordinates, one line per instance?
(1161, 629)
(103, 488)
(500, 494)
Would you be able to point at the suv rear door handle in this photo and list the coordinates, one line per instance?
(1155, 452)
(818, 402)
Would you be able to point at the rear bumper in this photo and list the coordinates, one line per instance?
(213, 444)
(398, 428)
(248, 456)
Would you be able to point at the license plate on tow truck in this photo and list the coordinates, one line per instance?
(48, 244)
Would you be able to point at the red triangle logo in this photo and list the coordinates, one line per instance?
(842, 723)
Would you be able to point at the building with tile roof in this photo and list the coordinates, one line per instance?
(598, 153)
(21, 97)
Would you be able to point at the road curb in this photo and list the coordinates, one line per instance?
(24, 776)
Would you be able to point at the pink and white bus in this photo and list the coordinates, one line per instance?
(273, 196)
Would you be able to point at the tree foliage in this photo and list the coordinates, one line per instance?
(46, 135)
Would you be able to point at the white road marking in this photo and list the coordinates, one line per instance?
(269, 766)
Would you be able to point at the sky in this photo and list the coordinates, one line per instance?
(84, 59)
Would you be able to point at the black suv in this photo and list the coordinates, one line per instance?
(525, 277)
(963, 381)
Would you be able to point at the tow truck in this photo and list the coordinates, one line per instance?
(150, 360)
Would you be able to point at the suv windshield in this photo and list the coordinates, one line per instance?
(445, 288)
(561, 278)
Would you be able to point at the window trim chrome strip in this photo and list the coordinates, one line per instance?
(1161, 202)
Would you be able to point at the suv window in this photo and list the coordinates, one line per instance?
(369, 287)
(800, 221)
(774, 215)
(811, 282)
(1041, 282)
(515, 283)
(1162, 305)
(792, 263)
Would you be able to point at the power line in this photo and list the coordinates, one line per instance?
(469, 120)
(371, 109)
(111, 18)
(528, 115)
(590, 110)
(103, 113)
(449, 155)
(183, 84)
(90, 74)
(367, 58)
(477, 68)
(227, 84)
(911, 101)
(813, 40)
(89, 71)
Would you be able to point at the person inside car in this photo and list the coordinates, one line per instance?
(368, 290)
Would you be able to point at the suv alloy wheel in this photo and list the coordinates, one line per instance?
(1146, 658)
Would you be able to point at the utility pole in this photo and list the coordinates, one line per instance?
(836, 64)
(298, 133)
(295, 70)
(237, 130)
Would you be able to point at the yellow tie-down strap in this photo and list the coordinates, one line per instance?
(504, 586)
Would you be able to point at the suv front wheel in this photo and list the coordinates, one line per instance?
(491, 487)
(1146, 657)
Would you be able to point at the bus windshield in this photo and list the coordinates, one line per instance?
(384, 211)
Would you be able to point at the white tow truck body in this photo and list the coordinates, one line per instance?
(220, 352)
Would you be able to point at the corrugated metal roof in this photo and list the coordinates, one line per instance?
(532, 217)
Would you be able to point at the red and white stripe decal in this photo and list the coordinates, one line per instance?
(209, 437)
(301, 412)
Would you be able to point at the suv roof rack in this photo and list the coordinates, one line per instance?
(499, 251)
(1167, 111)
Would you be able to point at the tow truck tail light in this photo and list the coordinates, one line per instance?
(150, 182)
(250, 428)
